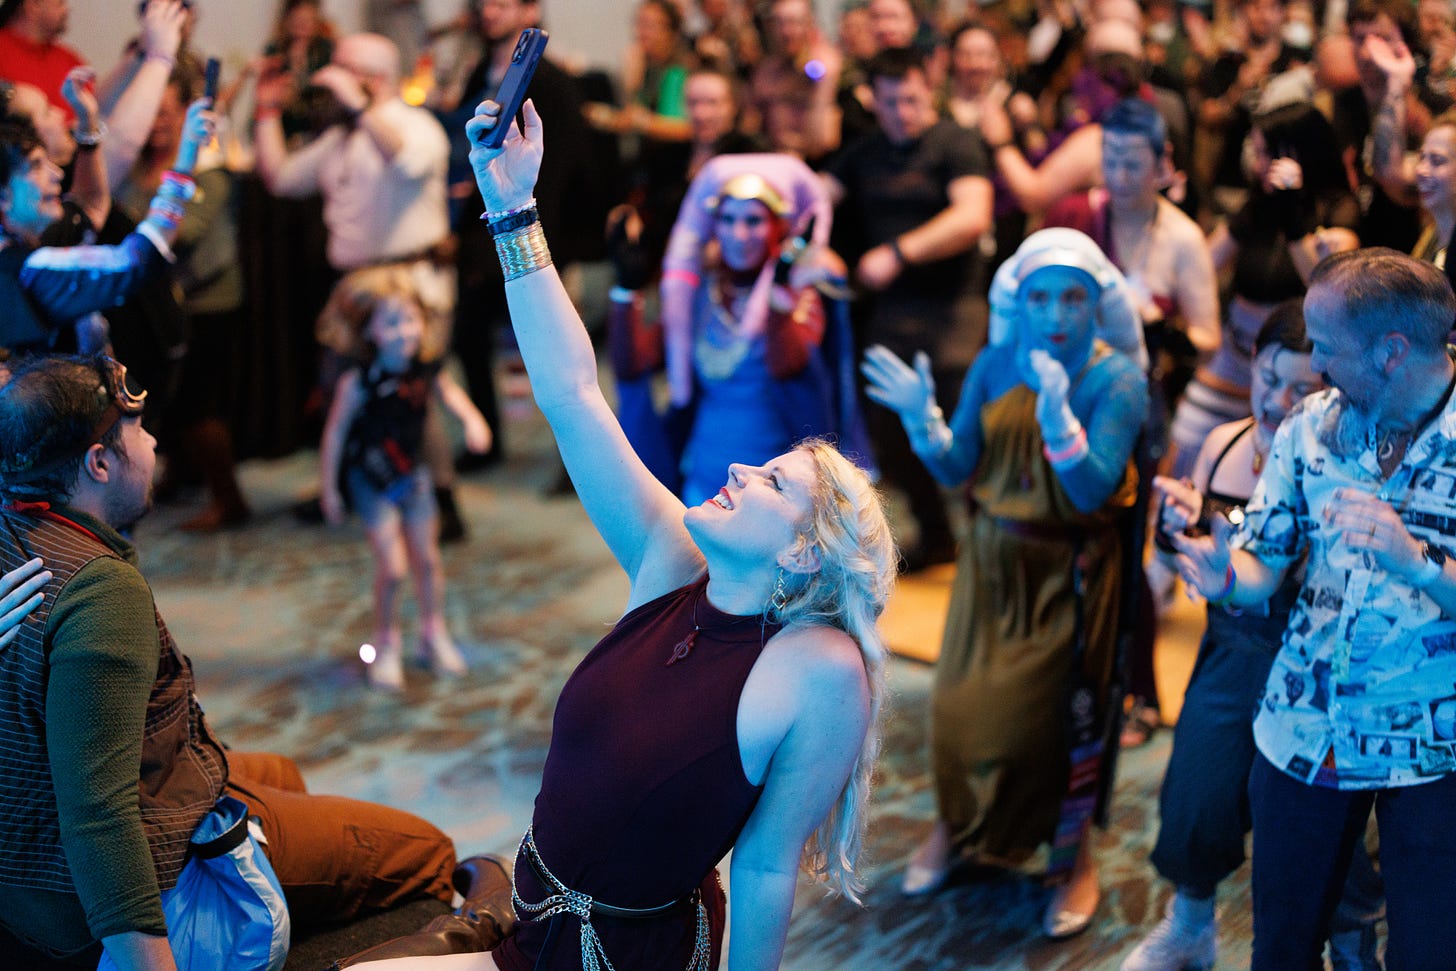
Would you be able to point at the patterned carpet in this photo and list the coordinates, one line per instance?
(273, 615)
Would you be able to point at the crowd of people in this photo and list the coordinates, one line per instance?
(1086, 260)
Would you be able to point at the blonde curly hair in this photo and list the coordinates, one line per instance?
(848, 592)
(343, 325)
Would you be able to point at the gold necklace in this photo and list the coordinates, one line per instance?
(721, 345)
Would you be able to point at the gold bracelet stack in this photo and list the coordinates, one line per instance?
(522, 251)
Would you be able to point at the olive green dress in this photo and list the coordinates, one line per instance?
(998, 745)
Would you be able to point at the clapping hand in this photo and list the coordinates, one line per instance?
(910, 392)
(1053, 413)
(506, 176)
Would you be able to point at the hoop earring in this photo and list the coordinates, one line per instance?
(779, 599)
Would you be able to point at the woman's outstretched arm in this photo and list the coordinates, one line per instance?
(640, 520)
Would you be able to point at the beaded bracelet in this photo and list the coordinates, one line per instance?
(522, 251)
(493, 217)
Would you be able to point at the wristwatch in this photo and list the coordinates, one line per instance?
(1434, 563)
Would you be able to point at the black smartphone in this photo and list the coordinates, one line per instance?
(512, 91)
(209, 79)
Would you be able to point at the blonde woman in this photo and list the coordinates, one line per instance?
(733, 705)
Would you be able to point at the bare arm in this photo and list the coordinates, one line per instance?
(1073, 166)
(953, 230)
(131, 117)
(353, 96)
(477, 430)
(1222, 247)
(638, 518)
(347, 399)
(808, 692)
(90, 186)
(1388, 132)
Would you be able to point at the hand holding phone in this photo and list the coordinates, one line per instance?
(512, 91)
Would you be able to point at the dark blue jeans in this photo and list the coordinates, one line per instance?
(1303, 839)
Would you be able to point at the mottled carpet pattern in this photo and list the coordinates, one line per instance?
(273, 615)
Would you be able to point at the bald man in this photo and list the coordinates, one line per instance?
(380, 167)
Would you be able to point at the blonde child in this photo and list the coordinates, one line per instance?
(374, 436)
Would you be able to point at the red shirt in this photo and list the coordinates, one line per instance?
(43, 65)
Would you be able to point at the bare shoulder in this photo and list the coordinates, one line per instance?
(822, 658)
(1178, 227)
(808, 690)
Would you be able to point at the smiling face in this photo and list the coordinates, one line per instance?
(760, 511)
(1436, 171)
(1058, 314)
(1341, 355)
(747, 232)
(1282, 378)
(31, 199)
(396, 329)
(29, 102)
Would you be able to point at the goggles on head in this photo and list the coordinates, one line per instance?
(120, 402)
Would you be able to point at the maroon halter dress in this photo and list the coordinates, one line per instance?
(643, 791)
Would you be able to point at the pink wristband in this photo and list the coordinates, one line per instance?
(1073, 449)
(680, 275)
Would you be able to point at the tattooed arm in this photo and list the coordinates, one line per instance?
(1389, 164)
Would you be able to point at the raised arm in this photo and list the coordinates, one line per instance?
(1074, 165)
(638, 518)
(131, 117)
(90, 186)
(70, 282)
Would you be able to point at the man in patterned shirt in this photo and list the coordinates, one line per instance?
(1360, 703)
